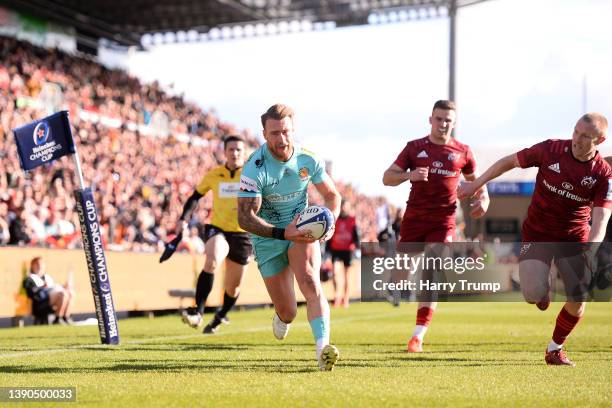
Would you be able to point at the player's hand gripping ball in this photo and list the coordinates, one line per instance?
(319, 220)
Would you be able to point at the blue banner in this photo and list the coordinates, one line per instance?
(96, 264)
(511, 188)
(44, 141)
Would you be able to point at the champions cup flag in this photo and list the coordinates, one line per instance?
(42, 142)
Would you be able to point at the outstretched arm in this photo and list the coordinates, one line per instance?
(481, 203)
(497, 169)
(188, 208)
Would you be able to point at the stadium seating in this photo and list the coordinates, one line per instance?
(142, 150)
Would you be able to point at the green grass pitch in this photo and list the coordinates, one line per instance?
(485, 354)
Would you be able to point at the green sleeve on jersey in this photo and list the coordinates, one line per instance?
(319, 174)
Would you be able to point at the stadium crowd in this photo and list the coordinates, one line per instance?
(142, 150)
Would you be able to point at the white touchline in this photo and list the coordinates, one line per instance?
(188, 336)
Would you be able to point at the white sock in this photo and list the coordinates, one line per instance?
(320, 344)
(419, 331)
(553, 346)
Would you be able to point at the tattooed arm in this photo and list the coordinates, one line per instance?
(248, 218)
(251, 222)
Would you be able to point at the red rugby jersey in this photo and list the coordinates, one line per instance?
(565, 190)
(343, 238)
(436, 199)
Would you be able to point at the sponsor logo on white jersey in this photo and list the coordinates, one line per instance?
(422, 155)
(555, 167)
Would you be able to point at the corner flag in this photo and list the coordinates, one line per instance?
(44, 141)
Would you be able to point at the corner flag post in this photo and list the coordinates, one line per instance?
(42, 142)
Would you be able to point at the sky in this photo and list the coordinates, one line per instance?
(361, 93)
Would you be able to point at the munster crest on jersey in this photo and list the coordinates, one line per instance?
(587, 181)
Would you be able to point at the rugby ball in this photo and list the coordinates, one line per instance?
(317, 219)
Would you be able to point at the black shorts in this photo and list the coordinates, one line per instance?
(240, 247)
(345, 256)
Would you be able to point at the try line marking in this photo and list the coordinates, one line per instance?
(182, 337)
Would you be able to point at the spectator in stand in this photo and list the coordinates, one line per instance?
(5, 236)
(383, 220)
(18, 229)
(47, 295)
(128, 169)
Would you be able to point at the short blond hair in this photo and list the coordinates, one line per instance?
(599, 122)
(277, 111)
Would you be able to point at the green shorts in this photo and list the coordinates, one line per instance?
(271, 255)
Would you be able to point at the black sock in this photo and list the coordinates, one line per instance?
(203, 288)
(228, 303)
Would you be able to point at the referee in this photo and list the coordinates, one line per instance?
(223, 236)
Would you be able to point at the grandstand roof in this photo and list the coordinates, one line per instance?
(124, 22)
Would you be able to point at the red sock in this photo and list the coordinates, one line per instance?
(565, 324)
(424, 316)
